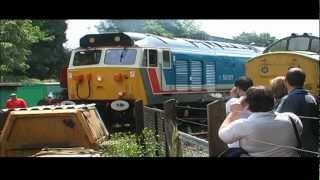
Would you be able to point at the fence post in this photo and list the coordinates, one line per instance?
(216, 115)
(171, 128)
(138, 117)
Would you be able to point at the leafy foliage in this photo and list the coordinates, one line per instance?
(32, 49)
(16, 37)
(170, 28)
(155, 27)
(132, 145)
(121, 26)
(48, 57)
(262, 39)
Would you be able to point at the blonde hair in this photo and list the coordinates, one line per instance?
(278, 87)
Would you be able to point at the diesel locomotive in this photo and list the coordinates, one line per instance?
(114, 70)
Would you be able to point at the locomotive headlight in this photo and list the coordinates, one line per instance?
(99, 79)
(120, 94)
(117, 39)
(92, 40)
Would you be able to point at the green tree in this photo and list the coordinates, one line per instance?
(16, 38)
(121, 26)
(155, 27)
(262, 39)
(170, 28)
(48, 57)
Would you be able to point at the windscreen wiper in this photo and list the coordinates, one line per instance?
(122, 54)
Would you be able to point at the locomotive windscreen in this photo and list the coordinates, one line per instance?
(295, 43)
(107, 39)
(89, 57)
(120, 56)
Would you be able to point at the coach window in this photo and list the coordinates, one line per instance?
(166, 59)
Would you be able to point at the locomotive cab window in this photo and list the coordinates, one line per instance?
(153, 58)
(145, 58)
(280, 46)
(166, 59)
(120, 56)
(82, 58)
(298, 44)
(315, 46)
(150, 58)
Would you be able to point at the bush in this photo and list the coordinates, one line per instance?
(132, 145)
(24, 79)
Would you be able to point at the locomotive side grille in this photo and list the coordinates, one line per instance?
(182, 74)
(210, 74)
(190, 74)
(196, 74)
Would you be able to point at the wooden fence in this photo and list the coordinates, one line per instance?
(216, 114)
(164, 124)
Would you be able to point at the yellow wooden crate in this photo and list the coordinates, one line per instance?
(28, 131)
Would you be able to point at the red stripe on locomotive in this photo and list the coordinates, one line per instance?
(154, 80)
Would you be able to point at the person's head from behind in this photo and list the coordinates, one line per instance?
(259, 99)
(50, 97)
(295, 78)
(242, 85)
(13, 96)
(278, 87)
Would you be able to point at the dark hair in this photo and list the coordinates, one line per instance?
(295, 77)
(243, 83)
(260, 99)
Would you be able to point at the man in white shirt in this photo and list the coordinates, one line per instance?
(240, 87)
(262, 128)
(239, 90)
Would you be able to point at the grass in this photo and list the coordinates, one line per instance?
(132, 145)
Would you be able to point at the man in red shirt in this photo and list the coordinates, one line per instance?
(15, 102)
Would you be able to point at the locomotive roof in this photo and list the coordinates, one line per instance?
(305, 42)
(308, 54)
(179, 44)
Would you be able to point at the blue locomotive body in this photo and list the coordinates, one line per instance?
(219, 71)
(201, 64)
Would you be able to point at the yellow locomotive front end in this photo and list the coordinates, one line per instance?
(105, 71)
(268, 66)
(111, 78)
(94, 75)
(294, 51)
